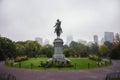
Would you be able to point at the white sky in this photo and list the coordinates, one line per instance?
(27, 19)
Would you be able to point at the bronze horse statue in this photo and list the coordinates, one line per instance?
(58, 29)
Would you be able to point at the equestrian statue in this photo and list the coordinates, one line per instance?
(58, 29)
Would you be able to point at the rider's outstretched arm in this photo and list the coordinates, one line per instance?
(55, 25)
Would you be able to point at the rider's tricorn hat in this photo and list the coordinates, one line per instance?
(57, 19)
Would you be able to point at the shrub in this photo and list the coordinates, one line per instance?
(94, 57)
(21, 58)
(56, 64)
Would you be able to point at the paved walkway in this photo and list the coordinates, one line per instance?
(92, 74)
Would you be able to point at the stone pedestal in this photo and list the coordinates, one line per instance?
(58, 50)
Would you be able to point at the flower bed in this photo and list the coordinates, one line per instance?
(21, 58)
(95, 57)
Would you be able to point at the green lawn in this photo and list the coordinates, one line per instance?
(78, 64)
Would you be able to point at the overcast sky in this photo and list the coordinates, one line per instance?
(27, 19)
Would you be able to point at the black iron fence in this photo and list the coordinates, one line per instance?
(113, 76)
(6, 76)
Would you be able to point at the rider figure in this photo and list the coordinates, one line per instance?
(58, 29)
(58, 23)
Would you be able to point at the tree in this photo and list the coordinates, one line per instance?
(94, 49)
(110, 46)
(67, 52)
(65, 47)
(116, 41)
(32, 48)
(49, 49)
(115, 54)
(7, 48)
(20, 48)
(103, 50)
(79, 49)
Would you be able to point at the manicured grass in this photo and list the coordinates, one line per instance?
(78, 64)
(82, 63)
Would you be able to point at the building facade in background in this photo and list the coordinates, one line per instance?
(69, 39)
(102, 41)
(95, 37)
(108, 36)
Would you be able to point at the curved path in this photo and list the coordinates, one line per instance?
(92, 74)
